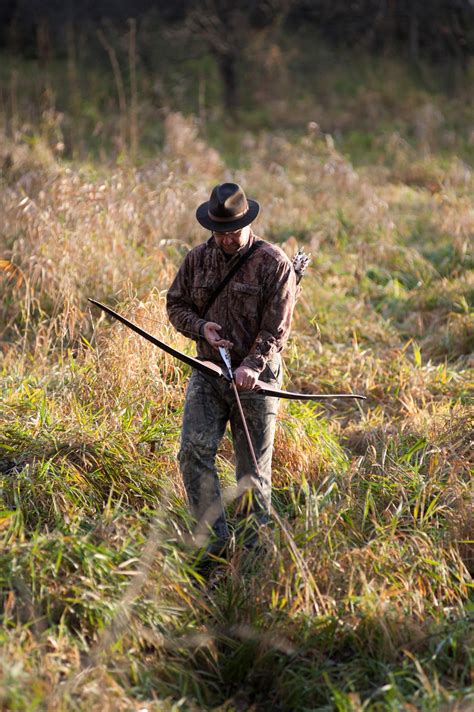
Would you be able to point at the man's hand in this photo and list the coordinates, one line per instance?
(212, 336)
(245, 378)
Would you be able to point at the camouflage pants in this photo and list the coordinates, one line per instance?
(210, 404)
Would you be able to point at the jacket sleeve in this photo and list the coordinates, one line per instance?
(179, 305)
(279, 302)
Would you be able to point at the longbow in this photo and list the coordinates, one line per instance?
(212, 369)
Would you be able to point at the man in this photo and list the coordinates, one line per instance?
(251, 316)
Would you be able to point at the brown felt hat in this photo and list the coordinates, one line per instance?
(227, 209)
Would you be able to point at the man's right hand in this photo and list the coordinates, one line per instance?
(212, 336)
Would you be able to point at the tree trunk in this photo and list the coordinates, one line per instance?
(227, 64)
(414, 38)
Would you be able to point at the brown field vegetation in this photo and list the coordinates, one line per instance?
(367, 606)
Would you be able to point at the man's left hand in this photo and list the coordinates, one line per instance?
(245, 378)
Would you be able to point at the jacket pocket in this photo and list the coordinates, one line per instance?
(200, 293)
(246, 298)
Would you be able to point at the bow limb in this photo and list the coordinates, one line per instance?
(266, 390)
(212, 369)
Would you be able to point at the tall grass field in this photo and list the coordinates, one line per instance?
(362, 601)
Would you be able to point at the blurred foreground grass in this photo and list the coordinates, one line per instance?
(102, 606)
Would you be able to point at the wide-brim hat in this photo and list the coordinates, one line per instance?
(227, 209)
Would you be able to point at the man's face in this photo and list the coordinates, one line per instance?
(231, 242)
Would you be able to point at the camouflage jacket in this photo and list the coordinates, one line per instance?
(254, 308)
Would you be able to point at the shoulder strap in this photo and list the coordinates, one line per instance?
(228, 277)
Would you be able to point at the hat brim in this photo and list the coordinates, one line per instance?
(203, 218)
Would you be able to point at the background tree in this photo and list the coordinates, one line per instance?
(227, 28)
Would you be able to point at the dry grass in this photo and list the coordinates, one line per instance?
(368, 607)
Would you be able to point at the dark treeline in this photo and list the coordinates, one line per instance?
(206, 51)
(421, 29)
